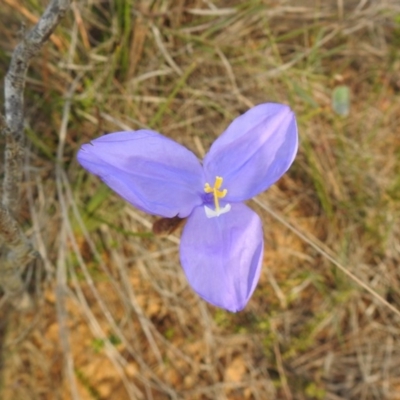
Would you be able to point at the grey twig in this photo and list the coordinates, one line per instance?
(17, 253)
(15, 250)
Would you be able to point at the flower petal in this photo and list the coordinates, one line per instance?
(222, 256)
(150, 171)
(254, 152)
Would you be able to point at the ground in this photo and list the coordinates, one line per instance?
(115, 317)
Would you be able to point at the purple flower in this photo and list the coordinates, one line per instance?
(221, 249)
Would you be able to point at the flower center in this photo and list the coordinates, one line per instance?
(217, 194)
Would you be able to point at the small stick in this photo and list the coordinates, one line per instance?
(14, 85)
(16, 255)
(15, 250)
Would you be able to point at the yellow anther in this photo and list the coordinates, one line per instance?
(218, 194)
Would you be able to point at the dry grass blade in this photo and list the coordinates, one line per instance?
(313, 243)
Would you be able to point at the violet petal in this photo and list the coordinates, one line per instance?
(254, 152)
(222, 256)
(150, 171)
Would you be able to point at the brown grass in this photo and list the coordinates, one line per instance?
(116, 318)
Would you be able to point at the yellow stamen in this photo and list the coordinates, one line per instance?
(218, 194)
